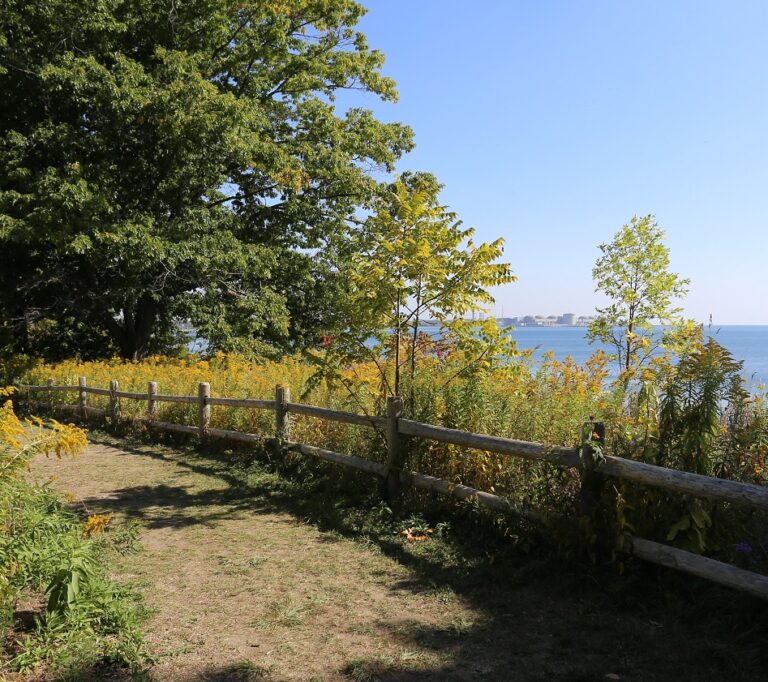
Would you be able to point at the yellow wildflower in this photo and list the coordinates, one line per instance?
(96, 524)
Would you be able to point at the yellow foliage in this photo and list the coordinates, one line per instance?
(547, 402)
(96, 524)
(21, 440)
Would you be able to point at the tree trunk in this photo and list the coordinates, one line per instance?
(414, 340)
(398, 336)
(134, 332)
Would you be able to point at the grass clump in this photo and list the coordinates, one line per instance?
(58, 607)
(288, 612)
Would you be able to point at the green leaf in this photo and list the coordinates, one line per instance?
(683, 524)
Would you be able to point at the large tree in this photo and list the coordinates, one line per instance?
(167, 160)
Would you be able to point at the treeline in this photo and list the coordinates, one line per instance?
(166, 170)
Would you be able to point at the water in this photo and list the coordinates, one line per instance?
(746, 342)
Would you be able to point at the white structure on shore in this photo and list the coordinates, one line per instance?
(564, 320)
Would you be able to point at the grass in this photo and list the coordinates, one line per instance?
(288, 612)
(243, 671)
(298, 570)
(239, 565)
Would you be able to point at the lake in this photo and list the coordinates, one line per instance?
(746, 342)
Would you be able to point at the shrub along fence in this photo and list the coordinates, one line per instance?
(594, 466)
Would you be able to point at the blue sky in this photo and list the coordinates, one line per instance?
(553, 123)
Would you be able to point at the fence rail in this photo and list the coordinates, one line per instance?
(336, 415)
(243, 402)
(505, 446)
(130, 396)
(397, 476)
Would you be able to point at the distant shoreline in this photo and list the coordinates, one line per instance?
(555, 325)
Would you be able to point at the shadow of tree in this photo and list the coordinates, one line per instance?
(539, 618)
(168, 506)
(240, 671)
(101, 672)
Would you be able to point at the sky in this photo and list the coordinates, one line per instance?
(551, 123)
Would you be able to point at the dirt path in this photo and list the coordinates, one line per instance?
(241, 588)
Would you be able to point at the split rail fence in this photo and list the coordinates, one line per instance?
(397, 477)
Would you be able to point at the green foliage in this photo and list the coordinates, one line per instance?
(691, 530)
(633, 272)
(410, 262)
(46, 550)
(699, 419)
(65, 586)
(704, 386)
(160, 165)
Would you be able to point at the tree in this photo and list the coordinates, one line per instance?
(413, 261)
(165, 161)
(633, 271)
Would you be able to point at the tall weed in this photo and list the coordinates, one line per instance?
(46, 551)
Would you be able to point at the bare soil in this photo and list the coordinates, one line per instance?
(241, 586)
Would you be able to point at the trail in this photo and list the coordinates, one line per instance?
(242, 588)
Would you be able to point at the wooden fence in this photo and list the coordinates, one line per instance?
(397, 477)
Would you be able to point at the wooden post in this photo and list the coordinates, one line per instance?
(114, 402)
(151, 402)
(49, 384)
(82, 401)
(204, 409)
(394, 451)
(18, 386)
(592, 484)
(282, 420)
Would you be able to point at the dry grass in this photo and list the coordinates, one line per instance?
(247, 583)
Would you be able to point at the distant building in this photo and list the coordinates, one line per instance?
(564, 320)
(585, 320)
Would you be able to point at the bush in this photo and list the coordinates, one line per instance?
(47, 552)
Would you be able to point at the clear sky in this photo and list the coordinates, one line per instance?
(551, 123)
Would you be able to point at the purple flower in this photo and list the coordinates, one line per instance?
(743, 547)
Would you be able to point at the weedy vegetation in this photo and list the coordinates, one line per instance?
(58, 606)
(693, 415)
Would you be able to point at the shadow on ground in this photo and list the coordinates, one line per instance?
(540, 619)
(168, 506)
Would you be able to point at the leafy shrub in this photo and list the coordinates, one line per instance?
(46, 550)
(699, 419)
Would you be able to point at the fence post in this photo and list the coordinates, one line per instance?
(49, 384)
(394, 451)
(592, 484)
(204, 409)
(151, 402)
(82, 400)
(16, 383)
(282, 420)
(19, 388)
(114, 402)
